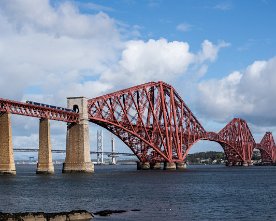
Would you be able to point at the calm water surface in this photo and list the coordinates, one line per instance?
(199, 193)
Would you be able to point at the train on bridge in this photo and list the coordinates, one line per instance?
(49, 106)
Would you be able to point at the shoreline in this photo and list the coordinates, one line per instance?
(83, 215)
(41, 216)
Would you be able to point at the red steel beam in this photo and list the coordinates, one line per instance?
(20, 108)
(267, 148)
(154, 121)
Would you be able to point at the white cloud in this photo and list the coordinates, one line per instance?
(153, 60)
(249, 94)
(210, 51)
(52, 47)
(61, 51)
(93, 6)
(51, 52)
(184, 27)
(223, 6)
(159, 60)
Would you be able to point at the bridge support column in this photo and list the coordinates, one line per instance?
(245, 164)
(155, 166)
(45, 162)
(237, 164)
(139, 165)
(143, 165)
(181, 166)
(77, 141)
(7, 165)
(229, 164)
(169, 166)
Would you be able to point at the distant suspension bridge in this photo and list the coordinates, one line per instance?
(100, 153)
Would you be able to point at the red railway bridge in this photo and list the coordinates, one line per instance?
(151, 119)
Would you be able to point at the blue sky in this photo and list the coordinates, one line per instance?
(219, 55)
(247, 25)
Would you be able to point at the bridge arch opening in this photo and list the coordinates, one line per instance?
(206, 152)
(76, 108)
(256, 155)
(123, 153)
(25, 138)
(261, 156)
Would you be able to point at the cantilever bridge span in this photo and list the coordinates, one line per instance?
(157, 125)
(151, 119)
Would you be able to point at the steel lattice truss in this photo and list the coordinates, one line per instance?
(19, 108)
(151, 119)
(157, 125)
(238, 142)
(267, 148)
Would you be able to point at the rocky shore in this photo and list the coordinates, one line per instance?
(81, 215)
(41, 216)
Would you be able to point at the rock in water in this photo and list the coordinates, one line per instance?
(81, 215)
(108, 212)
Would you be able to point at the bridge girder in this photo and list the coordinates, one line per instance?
(267, 148)
(156, 124)
(31, 110)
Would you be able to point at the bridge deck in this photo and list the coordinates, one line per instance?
(31, 110)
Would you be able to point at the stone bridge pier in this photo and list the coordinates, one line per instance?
(7, 165)
(45, 162)
(77, 141)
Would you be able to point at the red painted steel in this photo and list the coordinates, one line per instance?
(157, 125)
(238, 141)
(20, 108)
(267, 148)
(151, 119)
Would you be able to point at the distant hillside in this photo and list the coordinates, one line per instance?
(210, 157)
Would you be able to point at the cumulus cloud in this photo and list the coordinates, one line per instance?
(147, 61)
(249, 94)
(50, 52)
(210, 50)
(52, 47)
(159, 60)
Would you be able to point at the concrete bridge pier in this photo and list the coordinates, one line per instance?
(245, 164)
(169, 166)
(229, 164)
(143, 165)
(45, 162)
(181, 166)
(77, 141)
(155, 166)
(7, 165)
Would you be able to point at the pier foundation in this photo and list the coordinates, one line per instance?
(169, 166)
(77, 140)
(45, 162)
(245, 164)
(155, 166)
(181, 166)
(237, 164)
(143, 165)
(229, 164)
(7, 165)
